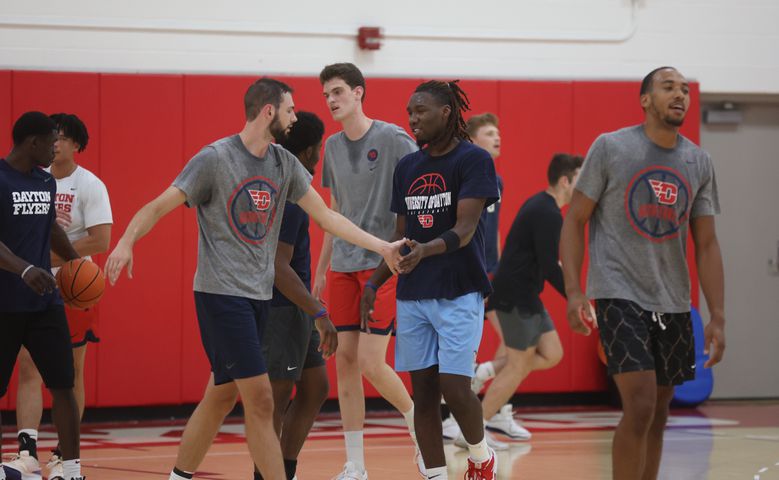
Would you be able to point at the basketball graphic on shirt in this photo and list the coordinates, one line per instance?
(657, 203)
(428, 184)
(252, 208)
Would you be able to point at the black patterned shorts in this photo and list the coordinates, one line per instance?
(635, 340)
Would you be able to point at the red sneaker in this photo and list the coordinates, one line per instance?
(487, 470)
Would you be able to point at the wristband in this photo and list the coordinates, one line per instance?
(27, 270)
(372, 286)
(451, 239)
(322, 313)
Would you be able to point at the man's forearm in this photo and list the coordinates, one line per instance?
(712, 278)
(572, 254)
(292, 287)
(338, 225)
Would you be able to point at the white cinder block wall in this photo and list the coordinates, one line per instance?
(730, 46)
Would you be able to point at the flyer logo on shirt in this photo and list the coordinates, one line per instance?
(428, 195)
(251, 209)
(657, 203)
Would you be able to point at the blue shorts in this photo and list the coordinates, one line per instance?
(439, 332)
(231, 329)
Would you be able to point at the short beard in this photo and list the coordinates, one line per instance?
(674, 122)
(279, 134)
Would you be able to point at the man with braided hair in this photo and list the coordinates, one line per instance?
(438, 195)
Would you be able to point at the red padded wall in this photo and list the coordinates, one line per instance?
(6, 123)
(145, 127)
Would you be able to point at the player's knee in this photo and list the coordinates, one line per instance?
(639, 412)
(28, 374)
(371, 367)
(259, 404)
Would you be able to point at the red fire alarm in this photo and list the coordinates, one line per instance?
(369, 38)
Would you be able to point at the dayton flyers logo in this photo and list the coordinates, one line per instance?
(261, 199)
(657, 203)
(425, 220)
(666, 192)
(252, 208)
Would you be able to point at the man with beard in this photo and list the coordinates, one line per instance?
(239, 185)
(642, 189)
(439, 194)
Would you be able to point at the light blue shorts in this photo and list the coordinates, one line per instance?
(442, 332)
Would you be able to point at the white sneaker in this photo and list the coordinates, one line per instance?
(450, 428)
(351, 472)
(494, 444)
(55, 468)
(504, 423)
(27, 466)
(420, 463)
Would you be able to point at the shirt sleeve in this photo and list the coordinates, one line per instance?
(592, 178)
(327, 170)
(707, 199)
(478, 178)
(196, 180)
(398, 203)
(97, 208)
(291, 224)
(546, 242)
(300, 179)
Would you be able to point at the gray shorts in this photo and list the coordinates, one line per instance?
(521, 329)
(290, 343)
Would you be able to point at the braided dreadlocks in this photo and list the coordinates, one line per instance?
(450, 93)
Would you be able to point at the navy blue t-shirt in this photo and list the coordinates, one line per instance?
(426, 190)
(26, 217)
(294, 231)
(490, 217)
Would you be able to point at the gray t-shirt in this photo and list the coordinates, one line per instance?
(240, 203)
(646, 196)
(359, 174)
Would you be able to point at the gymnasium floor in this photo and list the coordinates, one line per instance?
(721, 440)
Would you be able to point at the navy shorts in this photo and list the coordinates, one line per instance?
(46, 336)
(231, 329)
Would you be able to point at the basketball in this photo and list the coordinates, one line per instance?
(81, 283)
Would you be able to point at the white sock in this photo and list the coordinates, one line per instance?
(175, 476)
(409, 417)
(437, 473)
(71, 469)
(354, 449)
(29, 431)
(486, 370)
(480, 452)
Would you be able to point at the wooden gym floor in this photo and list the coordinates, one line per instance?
(720, 440)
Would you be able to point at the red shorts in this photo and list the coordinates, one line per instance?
(81, 324)
(344, 305)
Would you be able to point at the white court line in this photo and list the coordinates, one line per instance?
(763, 470)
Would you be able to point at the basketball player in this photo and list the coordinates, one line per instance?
(642, 189)
(530, 259)
(358, 166)
(299, 334)
(439, 194)
(84, 212)
(239, 186)
(31, 310)
(483, 131)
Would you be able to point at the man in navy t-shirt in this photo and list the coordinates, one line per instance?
(299, 334)
(31, 311)
(439, 194)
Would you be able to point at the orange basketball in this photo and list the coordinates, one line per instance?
(81, 283)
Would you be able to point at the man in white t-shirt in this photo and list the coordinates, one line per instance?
(84, 212)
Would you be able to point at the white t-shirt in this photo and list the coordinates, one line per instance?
(85, 198)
